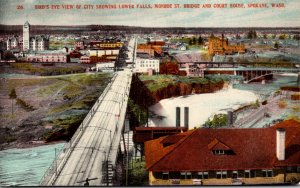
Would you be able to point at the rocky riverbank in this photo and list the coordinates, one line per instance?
(58, 106)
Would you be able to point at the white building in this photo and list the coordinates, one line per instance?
(36, 43)
(105, 67)
(144, 65)
(26, 33)
(12, 43)
(39, 43)
(100, 53)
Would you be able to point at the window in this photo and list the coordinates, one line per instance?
(205, 175)
(224, 174)
(247, 173)
(188, 175)
(202, 175)
(185, 175)
(221, 174)
(234, 174)
(218, 152)
(267, 173)
(252, 174)
(165, 175)
(270, 173)
(182, 175)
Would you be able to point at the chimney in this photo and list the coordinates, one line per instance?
(229, 118)
(177, 116)
(186, 117)
(280, 144)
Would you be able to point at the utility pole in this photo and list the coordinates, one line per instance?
(55, 161)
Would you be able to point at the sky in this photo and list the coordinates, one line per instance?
(289, 16)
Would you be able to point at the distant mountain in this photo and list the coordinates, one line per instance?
(49, 29)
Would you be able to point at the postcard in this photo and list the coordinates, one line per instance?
(149, 92)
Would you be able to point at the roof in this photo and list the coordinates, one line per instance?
(26, 23)
(252, 149)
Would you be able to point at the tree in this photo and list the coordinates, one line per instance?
(296, 37)
(276, 45)
(282, 37)
(218, 120)
(194, 40)
(12, 96)
(200, 40)
(252, 34)
(265, 36)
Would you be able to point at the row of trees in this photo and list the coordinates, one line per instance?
(253, 35)
(196, 41)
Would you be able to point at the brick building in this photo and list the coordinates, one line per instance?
(226, 156)
(222, 46)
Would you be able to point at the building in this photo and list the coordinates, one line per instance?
(105, 45)
(79, 44)
(106, 67)
(192, 69)
(85, 59)
(222, 47)
(26, 36)
(226, 156)
(12, 43)
(97, 56)
(149, 51)
(35, 43)
(75, 56)
(153, 48)
(39, 43)
(144, 65)
(48, 57)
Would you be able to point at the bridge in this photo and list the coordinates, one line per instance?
(252, 73)
(93, 150)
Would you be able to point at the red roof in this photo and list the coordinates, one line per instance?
(217, 145)
(252, 149)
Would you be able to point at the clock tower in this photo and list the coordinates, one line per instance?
(26, 31)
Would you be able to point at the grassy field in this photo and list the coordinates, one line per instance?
(156, 82)
(59, 44)
(36, 69)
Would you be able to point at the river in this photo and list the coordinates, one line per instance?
(25, 167)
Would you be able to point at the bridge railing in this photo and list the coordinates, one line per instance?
(62, 157)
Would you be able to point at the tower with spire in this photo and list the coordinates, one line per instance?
(26, 37)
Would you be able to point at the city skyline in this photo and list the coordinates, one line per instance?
(228, 17)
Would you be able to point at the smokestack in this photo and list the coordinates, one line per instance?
(186, 117)
(229, 118)
(177, 116)
(280, 144)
